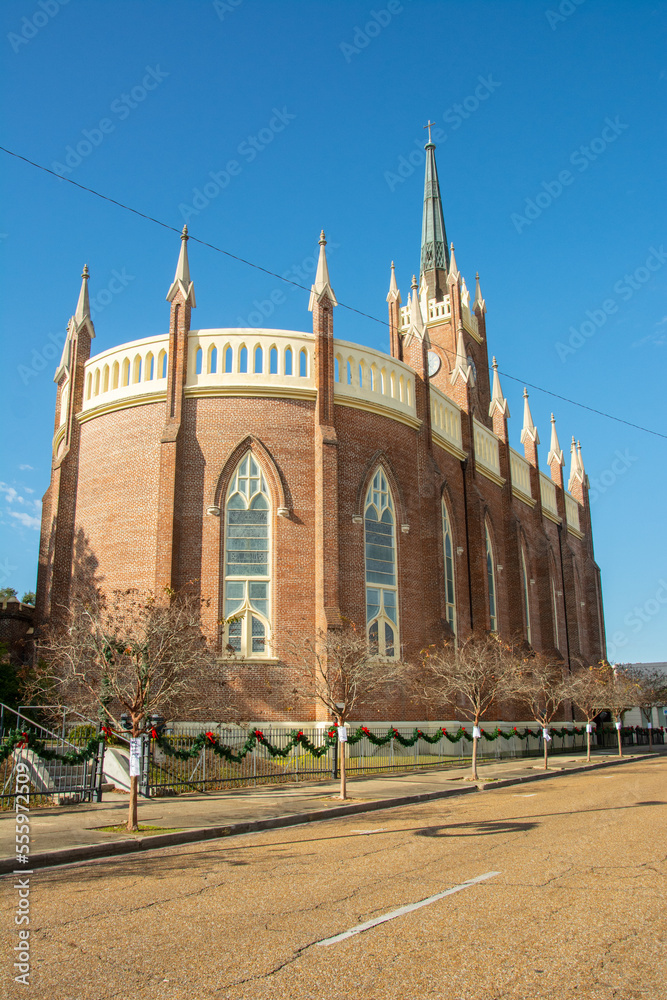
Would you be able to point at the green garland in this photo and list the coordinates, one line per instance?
(208, 740)
(28, 741)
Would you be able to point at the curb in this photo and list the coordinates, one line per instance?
(111, 849)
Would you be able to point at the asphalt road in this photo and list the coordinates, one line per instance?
(576, 909)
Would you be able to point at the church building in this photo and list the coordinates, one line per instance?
(299, 481)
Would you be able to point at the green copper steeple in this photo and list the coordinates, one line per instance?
(435, 250)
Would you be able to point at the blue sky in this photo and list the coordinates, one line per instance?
(551, 160)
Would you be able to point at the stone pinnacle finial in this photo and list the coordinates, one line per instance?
(555, 452)
(83, 305)
(529, 429)
(322, 285)
(182, 281)
(498, 401)
(393, 295)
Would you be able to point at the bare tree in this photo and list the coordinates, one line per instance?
(125, 653)
(342, 670)
(621, 693)
(588, 694)
(651, 691)
(472, 676)
(542, 687)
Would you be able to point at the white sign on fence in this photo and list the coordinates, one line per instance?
(135, 757)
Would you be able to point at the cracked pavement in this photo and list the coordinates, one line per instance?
(577, 909)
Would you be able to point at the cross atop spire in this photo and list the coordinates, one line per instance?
(434, 252)
(429, 125)
(182, 280)
(321, 285)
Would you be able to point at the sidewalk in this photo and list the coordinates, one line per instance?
(66, 834)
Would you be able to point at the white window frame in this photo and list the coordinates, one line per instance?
(247, 611)
(380, 486)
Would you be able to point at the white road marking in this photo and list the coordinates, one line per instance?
(525, 795)
(380, 829)
(405, 909)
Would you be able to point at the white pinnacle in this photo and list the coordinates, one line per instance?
(529, 429)
(321, 286)
(393, 294)
(555, 451)
(498, 401)
(182, 280)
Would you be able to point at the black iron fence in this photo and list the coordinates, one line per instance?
(51, 782)
(163, 774)
(631, 736)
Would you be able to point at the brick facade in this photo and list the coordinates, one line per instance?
(138, 490)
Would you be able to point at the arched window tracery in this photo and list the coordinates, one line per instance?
(247, 561)
(380, 565)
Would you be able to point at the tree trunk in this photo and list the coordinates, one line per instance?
(343, 775)
(132, 819)
(588, 745)
(474, 759)
(546, 751)
(620, 744)
(650, 734)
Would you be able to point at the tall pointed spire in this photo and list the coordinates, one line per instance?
(529, 431)
(393, 294)
(182, 280)
(83, 305)
(498, 401)
(434, 253)
(321, 285)
(555, 451)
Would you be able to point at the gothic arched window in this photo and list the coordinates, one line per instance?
(525, 587)
(247, 560)
(380, 551)
(448, 546)
(491, 581)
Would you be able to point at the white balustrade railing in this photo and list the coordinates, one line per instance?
(362, 375)
(437, 312)
(548, 495)
(572, 512)
(250, 359)
(520, 472)
(445, 419)
(486, 448)
(130, 371)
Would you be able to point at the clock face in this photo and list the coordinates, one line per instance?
(434, 363)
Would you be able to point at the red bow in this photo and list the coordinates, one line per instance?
(23, 742)
(154, 733)
(259, 735)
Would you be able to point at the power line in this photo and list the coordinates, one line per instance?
(274, 274)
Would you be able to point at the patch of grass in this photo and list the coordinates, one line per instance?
(142, 828)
